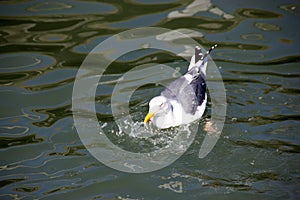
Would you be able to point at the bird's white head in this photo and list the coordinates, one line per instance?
(157, 106)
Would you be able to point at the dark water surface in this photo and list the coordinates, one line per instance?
(43, 44)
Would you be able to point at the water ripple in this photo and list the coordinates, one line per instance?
(43, 44)
(15, 141)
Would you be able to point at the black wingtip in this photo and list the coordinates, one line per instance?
(211, 48)
(198, 54)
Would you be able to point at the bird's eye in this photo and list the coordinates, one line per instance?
(161, 105)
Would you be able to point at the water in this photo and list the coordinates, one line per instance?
(42, 47)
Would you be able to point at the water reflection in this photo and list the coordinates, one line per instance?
(23, 140)
(44, 43)
(44, 8)
(199, 6)
(21, 61)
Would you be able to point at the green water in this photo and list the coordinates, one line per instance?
(42, 47)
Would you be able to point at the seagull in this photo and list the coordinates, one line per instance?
(183, 100)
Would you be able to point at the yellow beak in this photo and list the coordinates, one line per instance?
(148, 117)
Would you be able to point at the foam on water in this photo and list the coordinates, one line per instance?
(178, 138)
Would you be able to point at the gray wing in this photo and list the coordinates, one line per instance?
(189, 94)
